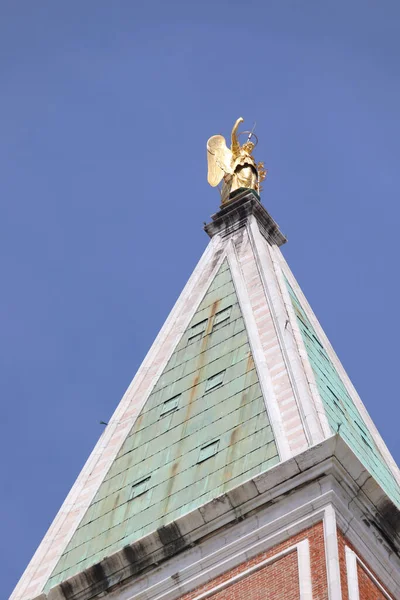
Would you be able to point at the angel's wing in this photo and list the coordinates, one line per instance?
(219, 159)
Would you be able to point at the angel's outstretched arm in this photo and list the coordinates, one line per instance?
(235, 142)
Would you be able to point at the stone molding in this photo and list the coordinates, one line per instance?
(303, 372)
(304, 571)
(324, 482)
(235, 215)
(264, 377)
(352, 575)
(302, 432)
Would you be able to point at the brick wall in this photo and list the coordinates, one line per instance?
(342, 560)
(278, 580)
(367, 586)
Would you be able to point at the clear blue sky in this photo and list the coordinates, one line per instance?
(105, 111)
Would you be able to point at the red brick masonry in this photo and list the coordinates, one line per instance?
(367, 587)
(278, 580)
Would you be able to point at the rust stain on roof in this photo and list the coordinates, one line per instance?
(166, 449)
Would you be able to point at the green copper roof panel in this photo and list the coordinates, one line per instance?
(343, 416)
(203, 430)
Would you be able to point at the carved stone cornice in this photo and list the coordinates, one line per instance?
(236, 213)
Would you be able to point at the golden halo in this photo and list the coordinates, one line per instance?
(252, 135)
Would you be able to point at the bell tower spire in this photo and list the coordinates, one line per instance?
(241, 460)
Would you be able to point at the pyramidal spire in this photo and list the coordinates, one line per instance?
(239, 432)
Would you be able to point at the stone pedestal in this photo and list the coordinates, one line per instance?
(236, 213)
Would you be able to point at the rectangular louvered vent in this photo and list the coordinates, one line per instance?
(222, 318)
(215, 381)
(197, 331)
(170, 405)
(208, 451)
(140, 487)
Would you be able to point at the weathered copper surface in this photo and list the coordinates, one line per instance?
(342, 414)
(166, 445)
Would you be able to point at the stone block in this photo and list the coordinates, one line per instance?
(190, 522)
(216, 508)
(316, 454)
(243, 493)
(273, 477)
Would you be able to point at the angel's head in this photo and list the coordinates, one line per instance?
(248, 147)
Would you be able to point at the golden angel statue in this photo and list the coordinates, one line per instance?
(236, 166)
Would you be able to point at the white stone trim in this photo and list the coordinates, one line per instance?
(279, 316)
(340, 369)
(260, 532)
(304, 571)
(184, 578)
(304, 565)
(292, 496)
(352, 509)
(332, 554)
(211, 565)
(352, 575)
(298, 353)
(264, 377)
(90, 478)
